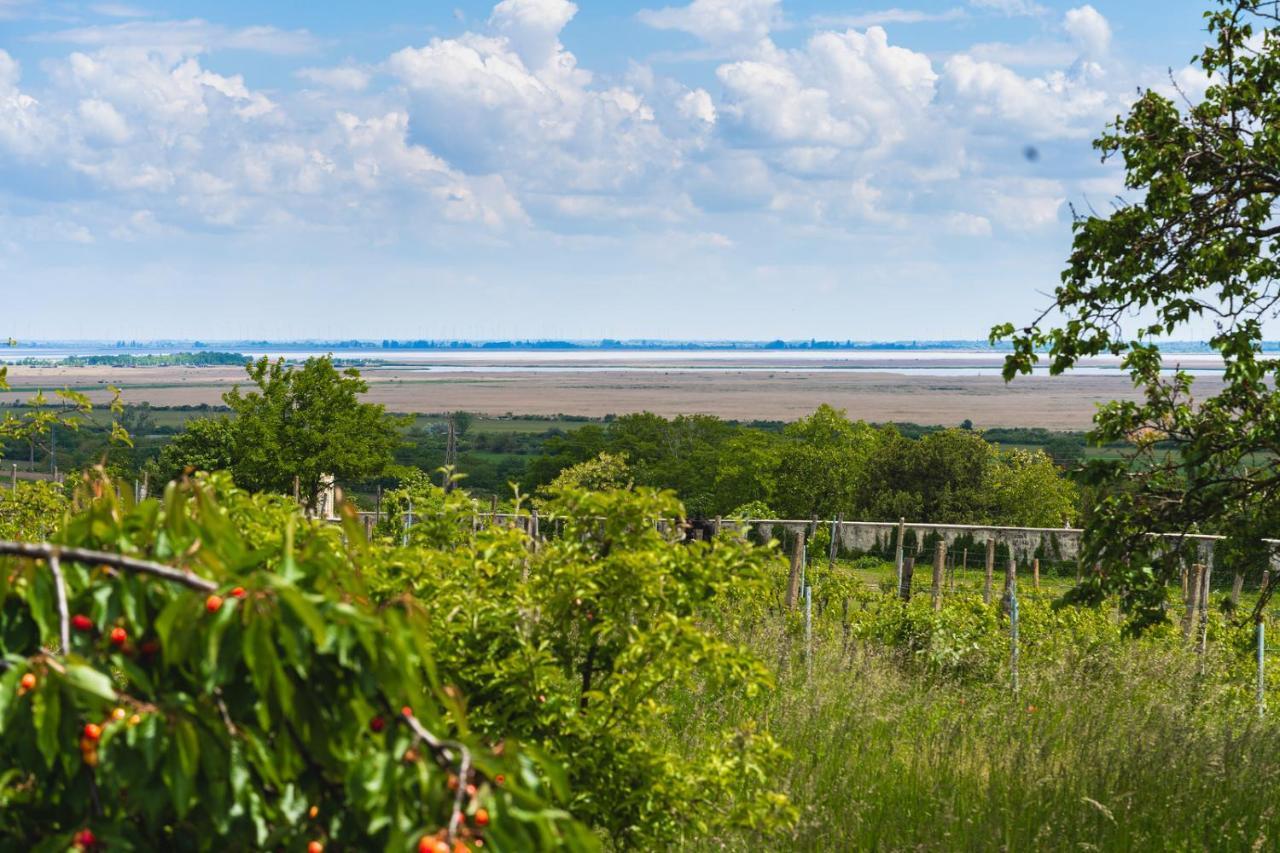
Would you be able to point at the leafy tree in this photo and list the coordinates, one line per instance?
(605, 472)
(304, 422)
(574, 646)
(253, 700)
(1200, 245)
(823, 466)
(1028, 491)
(205, 444)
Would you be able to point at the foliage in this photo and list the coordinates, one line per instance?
(574, 644)
(606, 471)
(32, 510)
(1201, 245)
(266, 718)
(822, 469)
(305, 423)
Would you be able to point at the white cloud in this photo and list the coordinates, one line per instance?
(118, 10)
(24, 130)
(191, 36)
(1010, 7)
(345, 78)
(884, 17)
(718, 22)
(1088, 30)
(1055, 105)
(697, 104)
(845, 89)
(102, 123)
(967, 224)
(533, 27)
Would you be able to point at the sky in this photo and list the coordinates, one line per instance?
(746, 169)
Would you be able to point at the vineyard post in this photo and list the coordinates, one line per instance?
(793, 581)
(1193, 600)
(408, 523)
(1010, 581)
(1204, 606)
(1035, 573)
(808, 630)
(377, 507)
(1262, 664)
(939, 565)
(904, 583)
(146, 484)
(835, 532)
(14, 474)
(990, 570)
(1013, 624)
(902, 524)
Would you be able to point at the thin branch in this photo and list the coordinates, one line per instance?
(60, 591)
(50, 552)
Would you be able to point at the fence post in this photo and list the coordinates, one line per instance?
(14, 474)
(1013, 624)
(1204, 610)
(904, 585)
(1262, 664)
(808, 630)
(990, 570)
(1196, 581)
(939, 565)
(408, 523)
(897, 562)
(793, 581)
(835, 532)
(1010, 581)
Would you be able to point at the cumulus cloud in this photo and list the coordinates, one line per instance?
(1056, 105)
(1088, 30)
(1009, 7)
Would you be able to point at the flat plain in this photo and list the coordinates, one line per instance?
(778, 391)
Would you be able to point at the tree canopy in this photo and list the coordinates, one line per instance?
(304, 422)
(1198, 247)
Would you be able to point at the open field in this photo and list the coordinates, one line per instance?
(1061, 403)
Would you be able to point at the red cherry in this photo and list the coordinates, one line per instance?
(482, 817)
(377, 724)
(213, 603)
(119, 636)
(238, 592)
(28, 681)
(406, 711)
(499, 779)
(92, 731)
(315, 847)
(81, 622)
(86, 838)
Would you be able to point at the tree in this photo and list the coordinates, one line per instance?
(1027, 490)
(1200, 245)
(255, 699)
(823, 466)
(304, 422)
(605, 472)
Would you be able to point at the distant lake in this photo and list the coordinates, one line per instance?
(924, 361)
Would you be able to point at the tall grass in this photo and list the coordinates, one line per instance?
(1110, 744)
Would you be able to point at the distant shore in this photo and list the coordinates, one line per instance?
(777, 390)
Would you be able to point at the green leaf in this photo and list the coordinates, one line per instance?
(91, 681)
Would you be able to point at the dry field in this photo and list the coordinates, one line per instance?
(1055, 403)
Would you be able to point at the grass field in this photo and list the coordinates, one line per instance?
(906, 734)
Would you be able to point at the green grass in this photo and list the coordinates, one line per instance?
(913, 739)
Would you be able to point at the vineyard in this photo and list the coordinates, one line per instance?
(213, 668)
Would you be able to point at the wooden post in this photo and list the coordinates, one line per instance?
(15, 476)
(835, 537)
(904, 585)
(297, 489)
(1193, 600)
(990, 571)
(1237, 586)
(1204, 609)
(897, 561)
(1035, 573)
(808, 630)
(964, 565)
(1186, 587)
(797, 562)
(939, 566)
(1010, 581)
(368, 528)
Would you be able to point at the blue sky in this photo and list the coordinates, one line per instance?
(545, 168)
